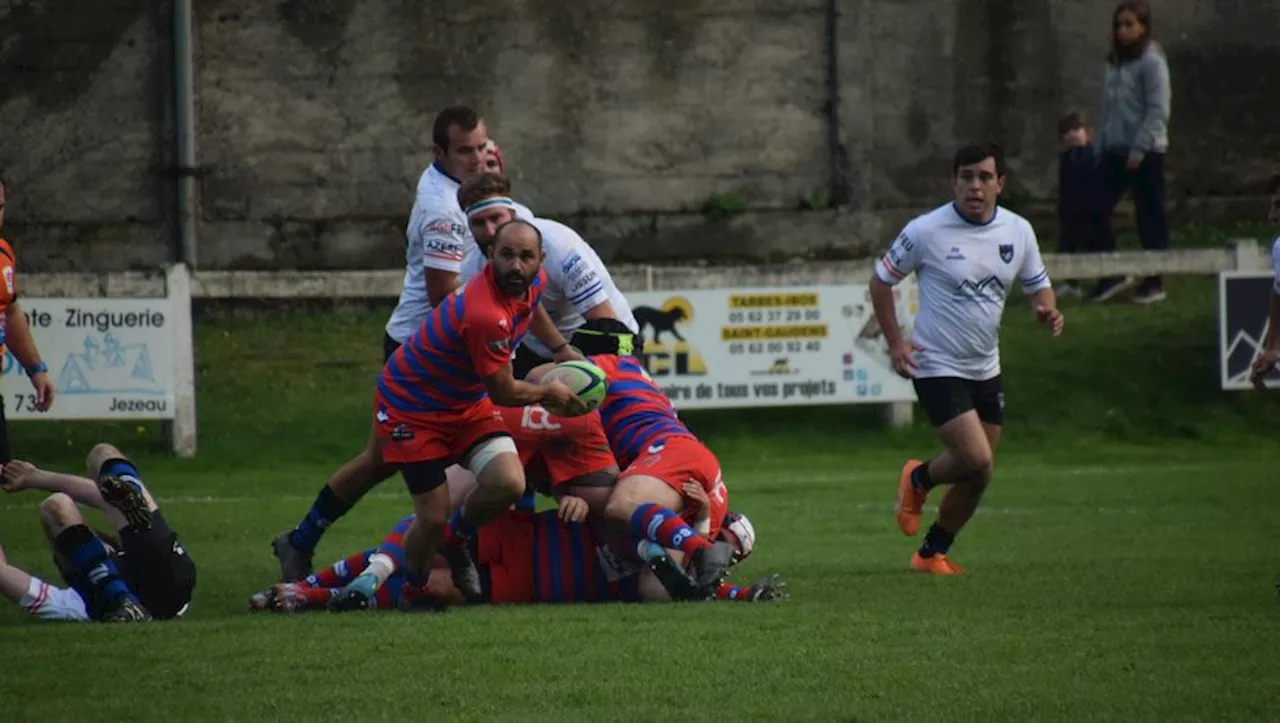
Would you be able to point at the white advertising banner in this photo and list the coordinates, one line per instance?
(108, 358)
(758, 347)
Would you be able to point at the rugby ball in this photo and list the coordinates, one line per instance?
(584, 378)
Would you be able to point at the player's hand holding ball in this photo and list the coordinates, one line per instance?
(585, 383)
(560, 400)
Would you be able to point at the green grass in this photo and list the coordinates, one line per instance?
(1122, 566)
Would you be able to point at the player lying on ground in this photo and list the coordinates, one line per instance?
(144, 573)
(658, 455)
(522, 558)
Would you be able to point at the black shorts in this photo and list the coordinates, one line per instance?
(153, 563)
(157, 568)
(945, 398)
(525, 361)
(389, 347)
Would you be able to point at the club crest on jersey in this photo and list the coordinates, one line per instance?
(402, 433)
(8, 279)
(1006, 252)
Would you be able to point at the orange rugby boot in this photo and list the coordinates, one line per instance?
(936, 565)
(910, 500)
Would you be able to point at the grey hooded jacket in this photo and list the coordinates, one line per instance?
(1136, 102)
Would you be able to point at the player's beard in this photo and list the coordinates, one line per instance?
(514, 283)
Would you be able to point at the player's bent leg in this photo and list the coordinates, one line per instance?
(648, 506)
(499, 484)
(499, 481)
(121, 485)
(84, 556)
(295, 548)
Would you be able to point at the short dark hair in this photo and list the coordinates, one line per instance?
(485, 185)
(497, 234)
(1070, 122)
(454, 115)
(977, 153)
(1274, 187)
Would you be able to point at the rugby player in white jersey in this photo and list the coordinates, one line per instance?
(1269, 355)
(579, 287)
(966, 256)
(436, 240)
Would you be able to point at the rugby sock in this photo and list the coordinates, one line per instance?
(666, 528)
(937, 541)
(326, 510)
(88, 556)
(729, 591)
(342, 571)
(459, 530)
(124, 470)
(920, 478)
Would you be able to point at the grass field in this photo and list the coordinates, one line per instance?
(1123, 566)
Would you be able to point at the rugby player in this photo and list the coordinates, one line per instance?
(435, 402)
(1269, 354)
(966, 254)
(658, 455)
(437, 238)
(15, 334)
(146, 572)
(579, 286)
(522, 558)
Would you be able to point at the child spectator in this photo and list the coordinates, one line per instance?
(1079, 200)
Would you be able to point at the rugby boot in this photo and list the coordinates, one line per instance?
(709, 564)
(356, 595)
(936, 565)
(126, 610)
(910, 500)
(677, 583)
(463, 569)
(126, 493)
(769, 588)
(295, 564)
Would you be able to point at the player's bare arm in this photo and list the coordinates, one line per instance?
(507, 391)
(23, 346)
(1045, 306)
(900, 348)
(441, 283)
(22, 475)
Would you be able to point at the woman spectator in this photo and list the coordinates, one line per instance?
(1133, 138)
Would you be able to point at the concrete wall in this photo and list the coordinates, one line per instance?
(621, 117)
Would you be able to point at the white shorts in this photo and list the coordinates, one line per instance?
(53, 603)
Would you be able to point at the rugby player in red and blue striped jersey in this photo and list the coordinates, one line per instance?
(658, 455)
(435, 403)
